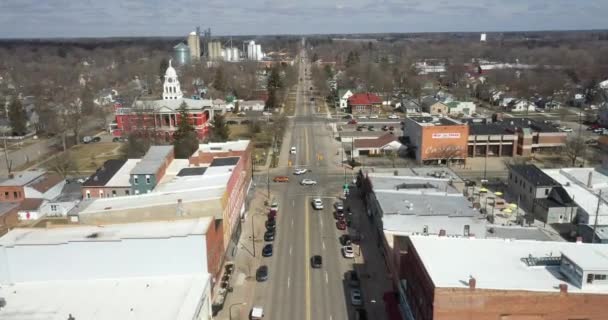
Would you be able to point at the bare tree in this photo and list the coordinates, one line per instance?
(447, 153)
(63, 164)
(575, 148)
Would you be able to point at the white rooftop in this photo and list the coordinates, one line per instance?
(172, 106)
(239, 145)
(496, 263)
(22, 178)
(121, 177)
(157, 298)
(574, 181)
(112, 232)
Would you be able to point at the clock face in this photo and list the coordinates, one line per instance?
(170, 80)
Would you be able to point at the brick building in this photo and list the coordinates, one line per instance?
(442, 278)
(436, 139)
(364, 103)
(30, 184)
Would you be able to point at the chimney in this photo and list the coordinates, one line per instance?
(579, 239)
(590, 180)
(472, 283)
(442, 233)
(563, 288)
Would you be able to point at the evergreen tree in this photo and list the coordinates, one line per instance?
(17, 117)
(220, 132)
(86, 97)
(164, 64)
(271, 102)
(219, 82)
(185, 140)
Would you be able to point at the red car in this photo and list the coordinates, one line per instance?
(352, 121)
(341, 225)
(272, 214)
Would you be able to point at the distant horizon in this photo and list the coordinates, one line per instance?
(301, 35)
(33, 19)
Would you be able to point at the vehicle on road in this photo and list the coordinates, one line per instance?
(384, 128)
(341, 225)
(339, 215)
(293, 150)
(339, 206)
(360, 128)
(308, 182)
(353, 279)
(352, 121)
(348, 252)
(280, 179)
(345, 240)
(316, 261)
(391, 128)
(355, 297)
(269, 235)
(565, 129)
(370, 128)
(262, 274)
(373, 116)
(362, 117)
(267, 250)
(89, 139)
(317, 204)
(393, 116)
(120, 139)
(298, 172)
(257, 313)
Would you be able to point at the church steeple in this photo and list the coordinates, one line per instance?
(171, 88)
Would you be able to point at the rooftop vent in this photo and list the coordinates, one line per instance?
(547, 261)
(93, 235)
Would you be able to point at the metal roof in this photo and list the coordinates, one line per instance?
(153, 159)
(533, 174)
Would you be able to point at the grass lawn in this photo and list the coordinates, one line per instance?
(239, 131)
(89, 157)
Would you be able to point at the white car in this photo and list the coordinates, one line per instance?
(317, 203)
(565, 129)
(362, 117)
(393, 116)
(308, 182)
(339, 206)
(266, 113)
(298, 172)
(293, 150)
(348, 252)
(355, 297)
(373, 116)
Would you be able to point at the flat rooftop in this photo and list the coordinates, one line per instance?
(435, 121)
(215, 147)
(153, 160)
(111, 232)
(411, 184)
(22, 178)
(111, 299)
(497, 264)
(482, 126)
(122, 176)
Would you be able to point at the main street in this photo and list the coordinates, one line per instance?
(294, 290)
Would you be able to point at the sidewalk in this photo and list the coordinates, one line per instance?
(243, 279)
(370, 264)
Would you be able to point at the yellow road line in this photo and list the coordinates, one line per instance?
(307, 257)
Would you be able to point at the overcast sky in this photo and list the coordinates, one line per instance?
(109, 18)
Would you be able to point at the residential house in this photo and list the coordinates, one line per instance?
(461, 108)
(520, 106)
(252, 105)
(433, 106)
(150, 170)
(343, 96)
(364, 103)
(29, 209)
(378, 146)
(68, 199)
(408, 106)
(95, 185)
(30, 184)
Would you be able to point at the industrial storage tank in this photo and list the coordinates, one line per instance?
(181, 54)
(235, 54)
(258, 52)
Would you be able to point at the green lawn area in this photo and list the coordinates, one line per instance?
(239, 131)
(88, 157)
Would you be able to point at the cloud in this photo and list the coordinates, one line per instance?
(69, 18)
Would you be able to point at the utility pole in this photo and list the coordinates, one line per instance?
(597, 212)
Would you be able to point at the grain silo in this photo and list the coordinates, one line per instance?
(181, 54)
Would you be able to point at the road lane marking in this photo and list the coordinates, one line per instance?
(288, 282)
(330, 317)
(290, 250)
(323, 244)
(293, 203)
(292, 222)
(326, 277)
(321, 221)
(306, 257)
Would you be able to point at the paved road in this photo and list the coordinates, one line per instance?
(295, 290)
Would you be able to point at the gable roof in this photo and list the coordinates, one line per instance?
(364, 99)
(104, 173)
(375, 143)
(534, 175)
(30, 204)
(47, 182)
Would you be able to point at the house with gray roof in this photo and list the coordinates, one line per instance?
(151, 169)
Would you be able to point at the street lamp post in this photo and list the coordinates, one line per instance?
(234, 305)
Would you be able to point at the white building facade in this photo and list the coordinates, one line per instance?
(171, 87)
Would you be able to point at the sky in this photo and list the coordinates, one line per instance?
(114, 18)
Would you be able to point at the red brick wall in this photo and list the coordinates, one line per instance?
(480, 304)
(420, 288)
(10, 197)
(545, 138)
(215, 248)
(163, 168)
(107, 192)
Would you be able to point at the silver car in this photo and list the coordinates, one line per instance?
(355, 297)
(308, 182)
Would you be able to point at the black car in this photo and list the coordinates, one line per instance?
(352, 278)
(262, 274)
(345, 240)
(316, 261)
(360, 314)
(271, 224)
(96, 139)
(384, 128)
(267, 251)
(269, 235)
(370, 128)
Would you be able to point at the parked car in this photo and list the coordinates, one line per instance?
(317, 204)
(262, 274)
(267, 250)
(391, 128)
(348, 252)
(360, 314)
(120, 139)
(384, 128)
(274, 206)
(360, 128)
(355, 297)
(292, 150)
(341, 225)
(362, 117)
(373, 116)
(393, 116)
(339, 215)
(316, 261)
(353, 279)
(280, 179)
(345, 240)
(339, 206)
(298, 172)
(308, 182)
(565, 129)
(352, 121)
(269, 235)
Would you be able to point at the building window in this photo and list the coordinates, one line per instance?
(147, 179)
(546, 191)
(135, 180)
(15, 194)
(113, 193)
(590, 278)
(530, 189)
(127, 192)
(53, 207)
(6, 194)
(600, 277)
(88, 194)
(136, 191)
